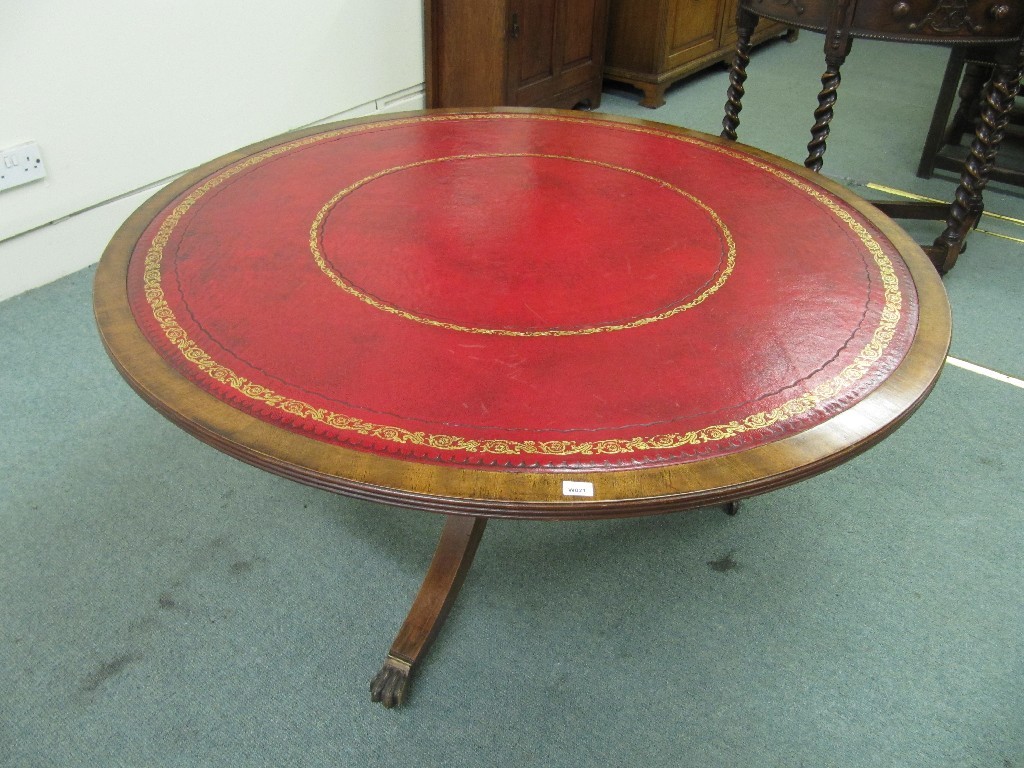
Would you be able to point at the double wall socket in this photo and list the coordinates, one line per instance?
(20, 165)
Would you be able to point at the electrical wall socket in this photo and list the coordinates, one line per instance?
(20, 165)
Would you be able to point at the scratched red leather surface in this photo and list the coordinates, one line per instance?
(516, 291)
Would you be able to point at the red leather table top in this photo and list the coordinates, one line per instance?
(518, 291)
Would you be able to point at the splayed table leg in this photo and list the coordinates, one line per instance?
(452, 560)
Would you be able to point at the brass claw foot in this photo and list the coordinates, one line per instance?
(388, 686)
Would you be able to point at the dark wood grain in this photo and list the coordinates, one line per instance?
(940, 22)
(540, 53)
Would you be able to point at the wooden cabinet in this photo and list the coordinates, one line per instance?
(527, 53)
(653, 43)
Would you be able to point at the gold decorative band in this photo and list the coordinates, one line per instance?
(403, 666)
(341, 282)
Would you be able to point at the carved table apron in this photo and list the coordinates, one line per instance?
(520, 313)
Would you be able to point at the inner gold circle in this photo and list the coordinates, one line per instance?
(338, 280)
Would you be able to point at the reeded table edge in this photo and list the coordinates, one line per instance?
(521, 493)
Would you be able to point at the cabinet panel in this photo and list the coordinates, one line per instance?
(694, 29)
(582, 46)
(533, 43)
(459, 74)
(635, 39)
(728, 34)
(517, 52)
(653, 43)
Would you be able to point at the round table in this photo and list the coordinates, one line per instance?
(520, 313)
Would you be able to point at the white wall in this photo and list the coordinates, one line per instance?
(122, 95)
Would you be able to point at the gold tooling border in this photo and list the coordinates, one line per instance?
(338, 280)
(804, 403)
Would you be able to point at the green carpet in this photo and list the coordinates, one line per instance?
(164, 605)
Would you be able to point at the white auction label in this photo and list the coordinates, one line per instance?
(574, 488)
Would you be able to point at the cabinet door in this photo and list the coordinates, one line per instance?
(533, 59)
(555, 45)
(693, 30)
(727, 37)
(466, 61)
